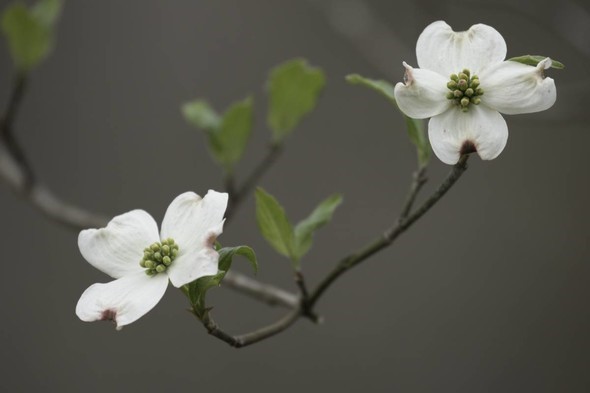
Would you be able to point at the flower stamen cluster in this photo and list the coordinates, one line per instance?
(159, 256)
(464, 89)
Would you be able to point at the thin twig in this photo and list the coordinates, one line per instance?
(391, 234)
(6, 125)
(266, 293)
(45, 201)
(229, 184)
(306, 310)
(16, 171)
(300, 281)
(252, 337)
(239, 195)
(418, 180)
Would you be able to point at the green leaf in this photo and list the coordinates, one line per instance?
(197, 290)
(533, 60)
(415, 127)
(227, 135)
(226, 255)
(383, 87)
(234, 132)
(30, 32)
(200, 114)
(294, 88)
(318, 218)
(274, 225)
(417, 134)
(47, 11)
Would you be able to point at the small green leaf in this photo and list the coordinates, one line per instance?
(226, 255)
(417, 134)
(47, 11)
(415, 127)
(533, 60)
(318, 218)
(197, 291)
(294, 88)
(379, 86)
(30, 32)
(200, 114)
(274, 225)
(234, 132)
(227, 135)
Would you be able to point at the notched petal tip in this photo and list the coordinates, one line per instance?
(455, 133)
(408, 75)
(110, 315)
(211, 239)
(221, 198)
(445, 51)
(545, 64)
(121, 301)
(514, 88)
(422, 94)
(468, 147)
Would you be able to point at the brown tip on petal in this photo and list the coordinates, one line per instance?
(467, 148)
(408, 78)
(210, 241)
(109, 315)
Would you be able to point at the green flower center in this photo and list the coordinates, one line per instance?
(464, 90)
(159, 256)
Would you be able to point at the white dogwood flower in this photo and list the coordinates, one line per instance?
(141, 260)
(463, 84)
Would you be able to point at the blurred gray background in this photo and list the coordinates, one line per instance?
(488, 292)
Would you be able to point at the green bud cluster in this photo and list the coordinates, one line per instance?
(464, 89)
(159, 256)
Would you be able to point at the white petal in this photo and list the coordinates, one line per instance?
(454, 131)
(190, 220)
(194, 224)
(195, 263)
(423, 95)
(514, 88)
(117, 249)
(442, 50)
(122, 301)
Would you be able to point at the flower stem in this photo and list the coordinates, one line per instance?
(389, 236)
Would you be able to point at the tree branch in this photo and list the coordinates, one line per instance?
(419, 179)
(392, 233)
(6, 124)
(239, 194)
(17, 172)
(253, 337)
(266, 293)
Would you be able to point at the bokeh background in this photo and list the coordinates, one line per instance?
(488, 292)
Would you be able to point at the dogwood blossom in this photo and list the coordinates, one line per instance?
(141, 260)
(463, 84)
